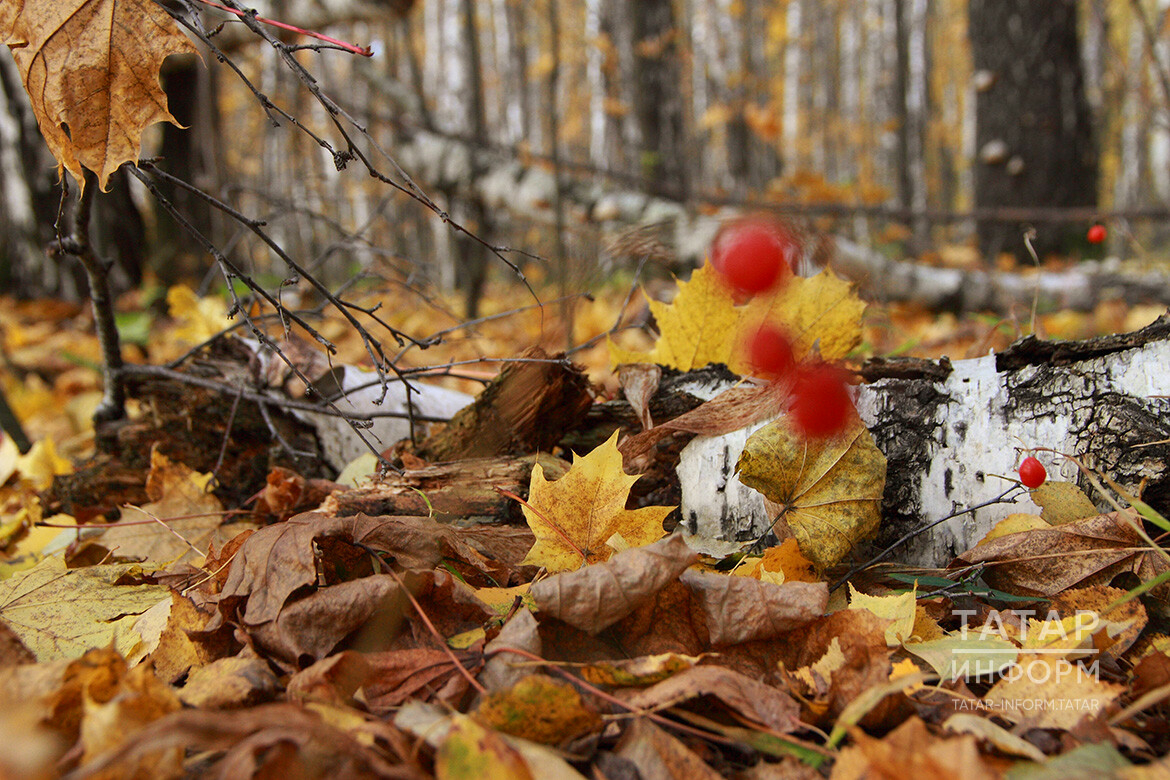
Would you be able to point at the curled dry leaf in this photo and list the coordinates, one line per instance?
(334, 679)
(830, 488)
(742, 609)
(519, 632)
(279, 559)
(229, 683)
(746, 697)
(1087, 552)
(733, 409)
(420, 673)
(912, 751)
(598, 596)
(655, 753)
(114, 48)
(246, 745)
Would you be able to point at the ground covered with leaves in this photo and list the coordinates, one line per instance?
(203, 603)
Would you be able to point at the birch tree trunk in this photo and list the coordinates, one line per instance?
(953, 433)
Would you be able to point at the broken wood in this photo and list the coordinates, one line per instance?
(465, 491)
(528, 408)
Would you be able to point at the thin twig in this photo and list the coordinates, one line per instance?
(1001, 498)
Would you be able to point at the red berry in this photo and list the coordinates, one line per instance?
(821, 405)
(753, 256)
(1032, 473)
(1096, 234)
(770, 352)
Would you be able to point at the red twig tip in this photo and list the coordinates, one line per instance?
(364, 51)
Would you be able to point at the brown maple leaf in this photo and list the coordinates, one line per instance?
(91, 69)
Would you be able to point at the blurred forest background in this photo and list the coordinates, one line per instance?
(593, 134)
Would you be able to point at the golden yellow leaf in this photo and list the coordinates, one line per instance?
(1063, 502)
(703, 325)
(1015, 523)
(899, 608)
(192, 518)
(196, 319)
(91, 69)
(41, 463)
(830, 488)
(821, 310)
(61, 613)
(575, 517)
(697, 328)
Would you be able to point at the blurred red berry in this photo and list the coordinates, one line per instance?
(1097, 234)
(754, 255)
(770, 352)
(1032, 472)
(821, 404)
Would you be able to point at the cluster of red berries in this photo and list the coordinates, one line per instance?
(757, 255)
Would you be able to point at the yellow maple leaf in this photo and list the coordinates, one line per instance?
(196, 319)
(91, 69)
(575, 518)
(703, 325)
(822, 310)
(698, 327)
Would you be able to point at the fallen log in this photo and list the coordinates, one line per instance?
(953, 433)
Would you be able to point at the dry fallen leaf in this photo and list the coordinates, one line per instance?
(275, 561)
(540, 709)
(1050, 693)
(576, 518)
(912, 751)
(91, 69)
(830, 488)
(598, 596)
(191, 517)
(61, 613)
(821, 310)
(653, 753)
(1046, 561)
(695, 329)
(741, 609)
(471, 752)
(748, 698)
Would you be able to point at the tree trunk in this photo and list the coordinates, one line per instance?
(658, 104)
(953, 434)
(1033, 133)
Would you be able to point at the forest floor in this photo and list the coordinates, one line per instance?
(281, 633)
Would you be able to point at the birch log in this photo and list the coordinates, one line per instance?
(953, 431)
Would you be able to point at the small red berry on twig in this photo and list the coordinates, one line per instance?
(1096, 234)
(1032, 473)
